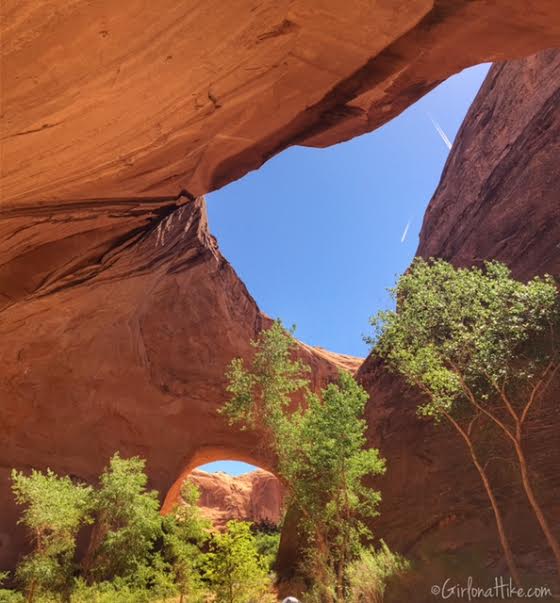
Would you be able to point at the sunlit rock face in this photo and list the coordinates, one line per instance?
(256, 497)
(498, 197)
(106, 99)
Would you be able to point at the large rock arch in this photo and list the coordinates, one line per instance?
(128, 353)
(117, 312)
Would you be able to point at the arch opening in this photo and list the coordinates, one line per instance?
(233, 489)
(333, 226)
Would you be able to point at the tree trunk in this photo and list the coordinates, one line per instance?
(550, 538)
(98, 533)
(493, 502)
(31, 595)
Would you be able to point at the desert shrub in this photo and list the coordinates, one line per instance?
(369, 574)
(7, 595)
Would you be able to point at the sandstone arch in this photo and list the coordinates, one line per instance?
(128, 352)
(117, 312)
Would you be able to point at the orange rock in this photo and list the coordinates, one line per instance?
(105, 99)
(256, 497)
(115, 333)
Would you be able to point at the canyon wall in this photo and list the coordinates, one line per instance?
(104, 100)
(125, 325)
(498, 198)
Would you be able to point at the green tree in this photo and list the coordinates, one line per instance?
(185, 534)
(268, 541)
(127, 521)
(235, 571)
(479, 345)
(320, 448)
(328, 468)
(55, 509)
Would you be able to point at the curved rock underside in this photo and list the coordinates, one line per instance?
(256, 497)
(118, 315)
(124, 99)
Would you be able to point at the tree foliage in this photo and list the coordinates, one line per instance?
(320, 446)
(54, 510)
(127, 520)
(235, 571)
(462, 331)
(185, 534)
(482, 347)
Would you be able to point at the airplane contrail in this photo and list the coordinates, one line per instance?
(440, 131)
(405, 231)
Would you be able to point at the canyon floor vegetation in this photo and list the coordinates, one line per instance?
(480, 348)
(134, 553)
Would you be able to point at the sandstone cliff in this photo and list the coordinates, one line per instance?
(497, 198)
(255, 497)
(118, 313)
(116, 330)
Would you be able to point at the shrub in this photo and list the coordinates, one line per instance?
(369, 574)
(235, 571)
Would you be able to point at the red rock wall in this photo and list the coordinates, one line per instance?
(118, 314)
(116, 330)
(113, 99)
(256, 497)
(498, 198)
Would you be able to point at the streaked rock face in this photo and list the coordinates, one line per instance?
(498, 198)
(107, 99)
(115, 334)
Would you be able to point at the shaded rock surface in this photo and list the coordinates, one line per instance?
(116, 330)
(118, 314)
(498, 198)
(256, 497)
(104, 100)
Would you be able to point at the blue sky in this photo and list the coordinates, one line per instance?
(315, 234)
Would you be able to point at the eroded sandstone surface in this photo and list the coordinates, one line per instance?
(498, 198)
(118, 314)
(105, 99)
